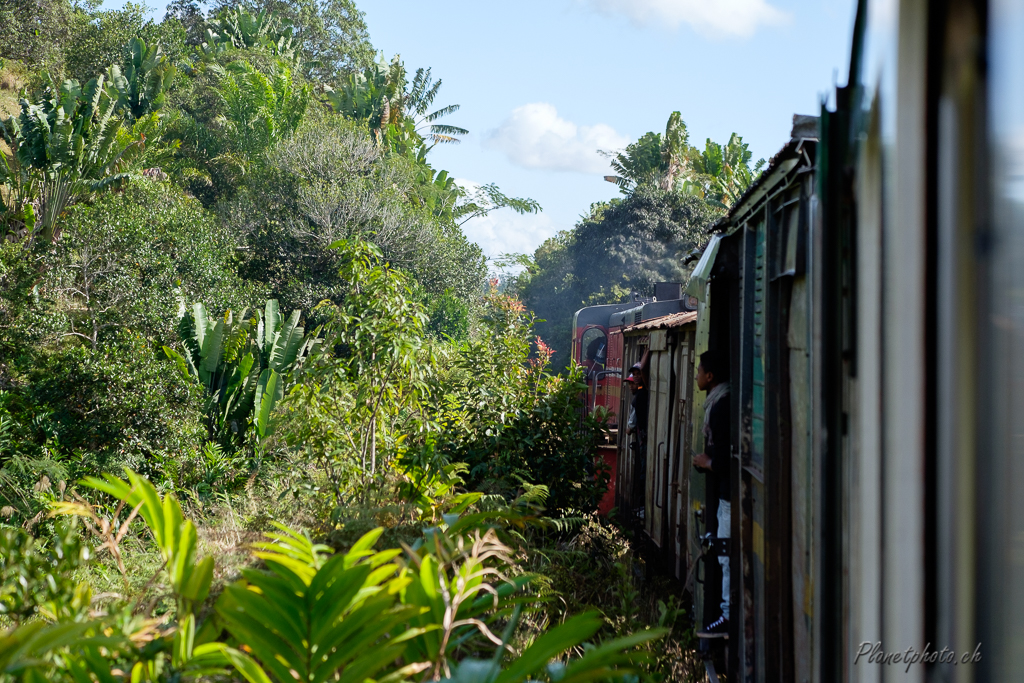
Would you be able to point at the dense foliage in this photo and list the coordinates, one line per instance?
(229, 270)
(443, 610)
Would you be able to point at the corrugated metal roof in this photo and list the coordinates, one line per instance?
(664, 322)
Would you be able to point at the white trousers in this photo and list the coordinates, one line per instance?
(724, 527)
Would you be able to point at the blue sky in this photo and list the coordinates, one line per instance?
(544, 83)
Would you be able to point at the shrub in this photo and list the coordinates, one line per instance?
(133, 260)
(449, 317)
(79, 410)
(511, 421)
(330, 182)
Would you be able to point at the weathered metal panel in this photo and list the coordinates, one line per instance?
(791, 264)
(681, 476)
(658, 340)
(671, 452)
(801, 414)
(658, 442)
(626, 493)
(743, 599)
(757, 577)
(758, 402)
(758, 413)
(663, 322)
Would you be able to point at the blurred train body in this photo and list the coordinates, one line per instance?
(868, 291)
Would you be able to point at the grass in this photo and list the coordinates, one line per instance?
(13, 78)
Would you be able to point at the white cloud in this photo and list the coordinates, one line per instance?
(504, 231)
(717, 17)
(535, 136)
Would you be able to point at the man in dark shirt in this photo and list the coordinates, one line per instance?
(639, 407)
(712, 377)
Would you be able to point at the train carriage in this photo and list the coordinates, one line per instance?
(655, 482)
(755, 297)
(867, 291)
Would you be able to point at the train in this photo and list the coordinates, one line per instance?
(867, 292)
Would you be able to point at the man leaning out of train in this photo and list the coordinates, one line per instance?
(713, 377)
(637, 424)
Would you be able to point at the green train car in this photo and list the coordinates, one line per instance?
(868, 293)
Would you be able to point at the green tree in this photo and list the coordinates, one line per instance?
(419, 99)
(360, 394)
(477, 202)
(500, 411)
(38, 33)
(448, 317)
(722, 173)
(332, 33)
(330, 182)
(396, 110)
(244, 30)
(246, 364)
(261, 110)
(232, 117)
(653, 159)
(639, 163)
(103, 39)
(132, 260)
(235, 28)
(719, 174)
(192, 18)
(142, 84)
(77, 411)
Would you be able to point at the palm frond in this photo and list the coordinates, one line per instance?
(443, 139)
(445, 129)
(429, 96)
(444, 111)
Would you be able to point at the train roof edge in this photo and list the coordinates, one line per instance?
(801, 146)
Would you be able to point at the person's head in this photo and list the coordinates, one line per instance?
(636, 378)
(712, 371)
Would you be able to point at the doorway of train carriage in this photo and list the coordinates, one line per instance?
(780, 338)
(716, 325)
(629, 486)
(764, 338)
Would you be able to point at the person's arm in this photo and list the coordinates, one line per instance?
(643, 403)
(721, 437)
(716, 453)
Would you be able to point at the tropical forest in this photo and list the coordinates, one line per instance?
(267, 414)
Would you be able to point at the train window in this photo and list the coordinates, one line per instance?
(595, 346)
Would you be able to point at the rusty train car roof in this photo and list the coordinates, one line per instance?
(663, 322)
